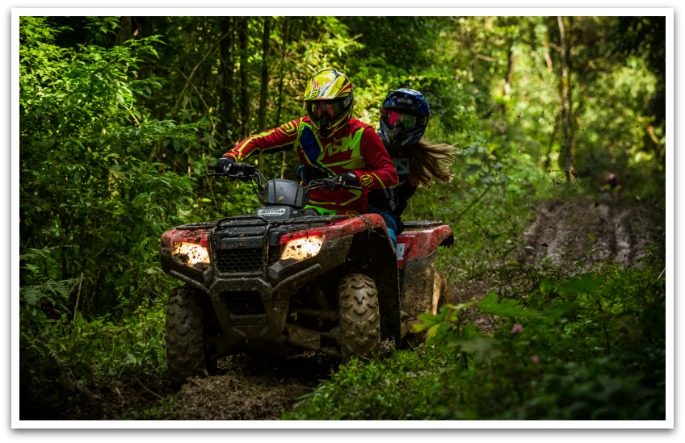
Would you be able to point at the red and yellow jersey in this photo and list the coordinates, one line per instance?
(356, 147)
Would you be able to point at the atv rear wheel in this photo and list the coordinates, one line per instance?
(360, 321)
(185, 336)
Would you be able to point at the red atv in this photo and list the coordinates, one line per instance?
(287, 280)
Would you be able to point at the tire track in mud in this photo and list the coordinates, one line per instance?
(580, 234)
(247, 389)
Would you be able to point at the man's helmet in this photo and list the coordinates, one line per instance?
(329, 100)
(404, 116)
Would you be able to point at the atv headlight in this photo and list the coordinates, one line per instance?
(190, 253)
(302, 247)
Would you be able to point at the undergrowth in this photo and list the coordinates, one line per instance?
(65, 359)
(586, 348)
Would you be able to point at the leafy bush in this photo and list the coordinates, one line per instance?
(92, 209)
(64, 358)
(585, 348)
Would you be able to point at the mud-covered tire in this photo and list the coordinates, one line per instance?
(185, 339)
(360, 321)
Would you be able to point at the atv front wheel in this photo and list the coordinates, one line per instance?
(185, 337)
(360, 321)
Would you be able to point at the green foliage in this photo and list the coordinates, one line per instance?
(487, 189)
(89, 196)
(378, 390)
(92, 209)
(586, 348)
(63, 357)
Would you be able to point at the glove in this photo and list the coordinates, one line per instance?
(223, 164)
(348, 178)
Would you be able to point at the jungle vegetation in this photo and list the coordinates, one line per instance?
(119, 117)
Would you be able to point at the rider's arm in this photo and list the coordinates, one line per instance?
(379, 172)
(404, 192)
(277, 139)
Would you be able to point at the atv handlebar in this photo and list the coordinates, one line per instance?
(330, 183)
(239, 171)
(245, 172)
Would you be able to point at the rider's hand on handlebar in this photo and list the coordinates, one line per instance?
(348, 179)
(223, 164)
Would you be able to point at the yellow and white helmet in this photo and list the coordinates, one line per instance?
(329, 100)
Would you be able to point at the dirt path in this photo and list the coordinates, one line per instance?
(242, 389)
(248, 390)
(581, 234)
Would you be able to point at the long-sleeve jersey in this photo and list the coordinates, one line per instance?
(355, 147)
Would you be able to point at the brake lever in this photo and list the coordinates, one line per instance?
(341, 185)
(331, 184)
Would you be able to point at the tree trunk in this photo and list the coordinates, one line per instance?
(244, 82)
(227, 65)
(281, 81)
(510, 71)
(261, 119)
(506, 92)
(265, 74)
(567, 153)
(125, 30)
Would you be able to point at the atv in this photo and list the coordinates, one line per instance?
(287, 280)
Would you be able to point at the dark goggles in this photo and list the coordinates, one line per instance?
(331, 108)
(394, 118)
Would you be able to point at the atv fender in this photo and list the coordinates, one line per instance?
(421, 240)
(416, 256)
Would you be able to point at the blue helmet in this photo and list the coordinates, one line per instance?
(404, 116)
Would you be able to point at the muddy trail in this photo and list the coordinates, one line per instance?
(571, 235)
(246, 389)
(579, 235)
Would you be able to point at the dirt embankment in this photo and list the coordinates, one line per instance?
(580, 234)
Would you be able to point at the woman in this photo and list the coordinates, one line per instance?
(404, 117)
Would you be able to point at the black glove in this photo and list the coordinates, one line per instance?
(223, 164)
(348, 178)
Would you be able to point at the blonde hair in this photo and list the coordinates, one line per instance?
(429, 161)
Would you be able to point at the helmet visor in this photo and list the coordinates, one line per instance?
(325, 108)
(393, 118)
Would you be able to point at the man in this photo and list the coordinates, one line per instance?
(329, 143)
